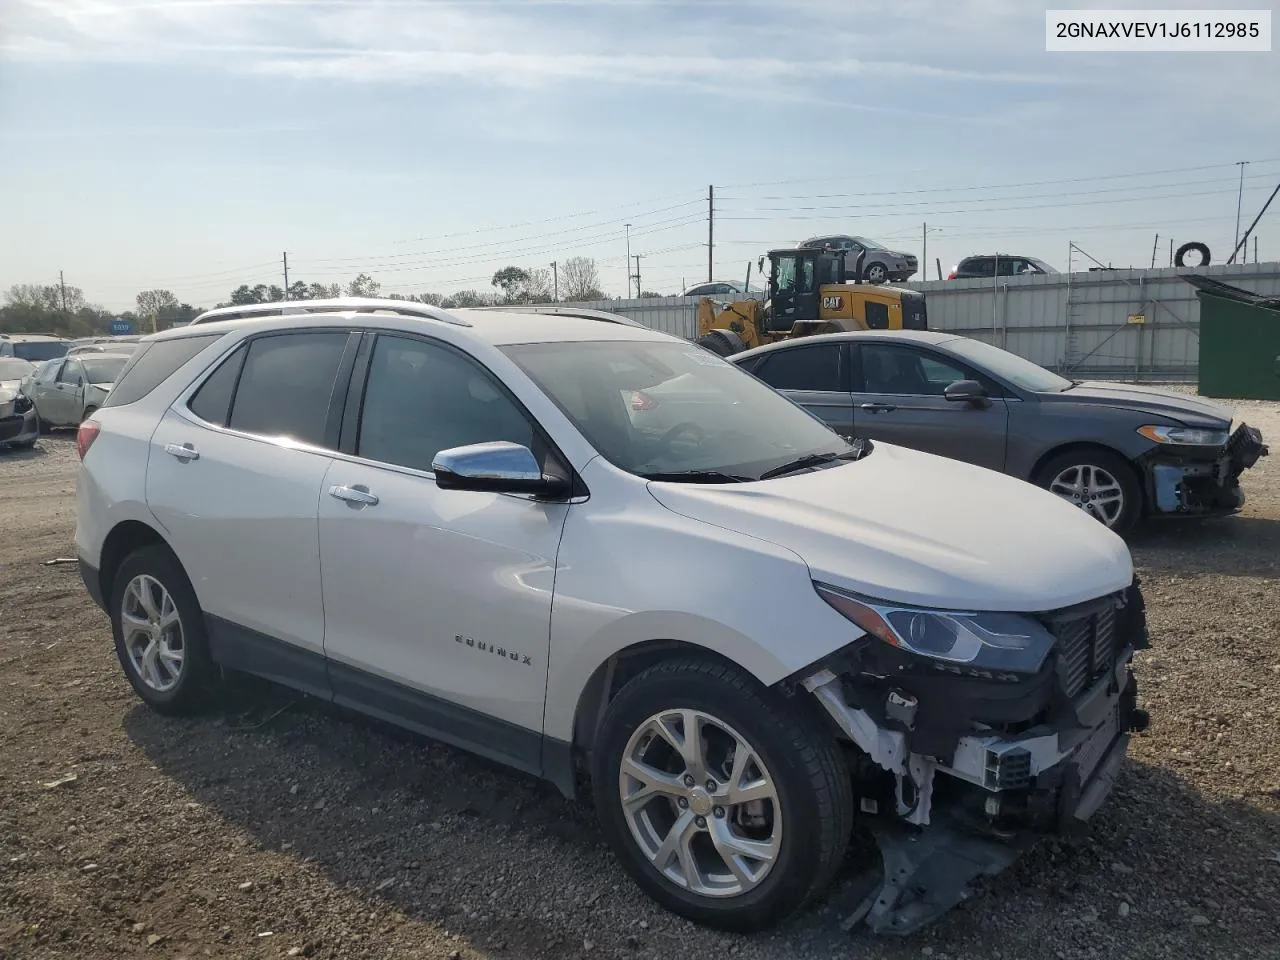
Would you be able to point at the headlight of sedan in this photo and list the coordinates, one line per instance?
(1184, 436)
(995, 641)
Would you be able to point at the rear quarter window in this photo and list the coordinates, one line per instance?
(152, 364)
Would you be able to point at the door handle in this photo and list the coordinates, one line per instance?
(877, 407)
(357, 495)
(183, 451)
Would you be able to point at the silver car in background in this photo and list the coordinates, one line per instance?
(67, 390)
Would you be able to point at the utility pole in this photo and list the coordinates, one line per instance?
(1255, 249)
(555, 282)
(286, 274)
(924, 253)
(637, 274)
(1155, 245)
(1239, 198)
(711, 232)
(63, 287)
(627, 265)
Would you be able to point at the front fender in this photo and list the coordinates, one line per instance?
(644, 574)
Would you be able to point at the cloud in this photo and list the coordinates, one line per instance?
(530, 44)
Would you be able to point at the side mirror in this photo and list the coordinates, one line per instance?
(496, 467)
(967, 391)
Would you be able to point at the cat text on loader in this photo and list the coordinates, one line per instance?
(808, 294)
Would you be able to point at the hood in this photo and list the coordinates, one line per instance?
(914, 528)
(1190, 410)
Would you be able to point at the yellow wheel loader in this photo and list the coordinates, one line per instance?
(808, 293)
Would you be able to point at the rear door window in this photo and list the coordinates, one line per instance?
(287, 384)
(212, 402)
(152, 364)
(803, 368)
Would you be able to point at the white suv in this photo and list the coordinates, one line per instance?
(745, 635)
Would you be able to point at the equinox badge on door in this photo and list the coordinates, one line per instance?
(483, 647)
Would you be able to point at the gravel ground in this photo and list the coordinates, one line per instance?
(253, 833)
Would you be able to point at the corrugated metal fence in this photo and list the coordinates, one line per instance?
(1130, 324)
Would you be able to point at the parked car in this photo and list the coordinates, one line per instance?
(447, 520)
(998, 265)
(119, 349)
(718, 288)
(68, 389)
(18, 424)
(32, 346)
(880, 265)
(1118, 451)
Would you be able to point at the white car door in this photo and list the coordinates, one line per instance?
(437, 602)
(234, 476)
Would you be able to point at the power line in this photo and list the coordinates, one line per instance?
(1038, 206)
(1034, 183)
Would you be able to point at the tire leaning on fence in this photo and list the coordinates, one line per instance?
(1187, 248)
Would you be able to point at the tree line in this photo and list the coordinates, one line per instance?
(63, 310)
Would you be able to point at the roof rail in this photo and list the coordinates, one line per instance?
(566, 310)
(408, 308)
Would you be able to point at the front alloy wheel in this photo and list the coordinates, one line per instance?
(700, 803)
(1092, 489)
(1099, 482)
(727, 801)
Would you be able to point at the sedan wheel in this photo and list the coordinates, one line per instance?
(1100, 483)
(876, 273)
(700, 803)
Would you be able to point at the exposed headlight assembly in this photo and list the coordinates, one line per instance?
(995, 641)
(1185, 436)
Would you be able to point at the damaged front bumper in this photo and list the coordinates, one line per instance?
(1202, 482)
(946, 809)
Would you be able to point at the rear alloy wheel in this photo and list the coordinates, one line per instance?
(726, 803)
(159, 632)
(1099, 483)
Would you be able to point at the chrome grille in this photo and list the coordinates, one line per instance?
(1086, 648)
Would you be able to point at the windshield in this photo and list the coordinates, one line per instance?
(37, 350)
(870, 244)
(673, 410)
(102, 369)
(11, 368)
(1008, 366)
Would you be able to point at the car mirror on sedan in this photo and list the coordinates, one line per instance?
(495, 467)
(967, 391)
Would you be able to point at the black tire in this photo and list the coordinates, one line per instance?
(875, 273)
(88, 412)
(1186, 248)
(1113, 464)
(812, 780)
(197, 678)
(723, 343)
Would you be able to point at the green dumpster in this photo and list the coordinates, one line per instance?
(1239, 341)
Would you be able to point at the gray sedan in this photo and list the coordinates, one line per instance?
(1116, 450)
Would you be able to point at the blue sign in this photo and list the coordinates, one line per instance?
(121, 326)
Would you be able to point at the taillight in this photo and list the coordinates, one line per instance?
(642, 401)
(951, 275)
(85, 436)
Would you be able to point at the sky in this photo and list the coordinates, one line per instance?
(187, 144)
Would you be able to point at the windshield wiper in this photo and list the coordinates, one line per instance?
(697, 476)
(812, 460)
